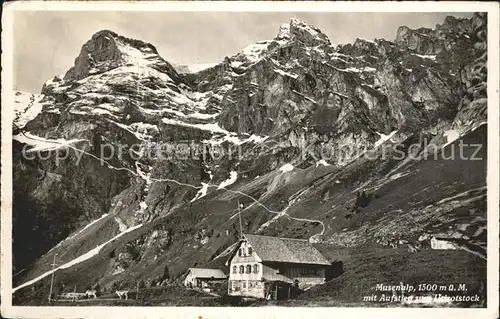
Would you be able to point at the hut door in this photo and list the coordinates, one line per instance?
(282, 292)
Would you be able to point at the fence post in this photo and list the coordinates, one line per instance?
(137, 292)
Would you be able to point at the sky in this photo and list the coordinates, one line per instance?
(46, 43)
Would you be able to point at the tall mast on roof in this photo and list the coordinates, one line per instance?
(239, 217)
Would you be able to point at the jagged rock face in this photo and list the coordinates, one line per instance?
(300, 31)
(251, 129)
(107, 50)
(299, 82)
(100, 52)
(472, 110)
(429, 41)
(419, 40)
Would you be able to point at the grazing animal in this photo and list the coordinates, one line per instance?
(91, 293)
(122, 293)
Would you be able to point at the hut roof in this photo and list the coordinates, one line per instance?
(286, 250)
(207, 273)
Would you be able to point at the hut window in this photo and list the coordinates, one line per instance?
(250, 251)
(249, 269)
(255, 268)
(234, 269)
(244, 284)
(242, 269)
(240, 252)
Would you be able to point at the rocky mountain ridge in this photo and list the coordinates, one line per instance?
(267, 127)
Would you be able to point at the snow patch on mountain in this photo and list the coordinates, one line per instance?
(384, 138)
(322, 162)
(204, 188)
(232, 178)
(255, 139)
(398, 175)
(202, 116)
(132, 54)
(232, 137)
(211, 127)
(254, 52)
(286, 168)
(144, 131)
(141, 67)
(426, 56)
(304, 26)
(284, 31)
(292, 75)
(216, 129)
(142, 208)
(121, 224)
(26, 107)
(91, 253)
(44, 144)
(451, 136)
(366, 40)
(87, 226)
(358, 70)
(202, 192)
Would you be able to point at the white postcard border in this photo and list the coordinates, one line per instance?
(493, 180)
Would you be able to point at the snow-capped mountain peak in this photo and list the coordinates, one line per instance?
(302, 31)
(295, 32)
(284, 32)
(106, 50)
